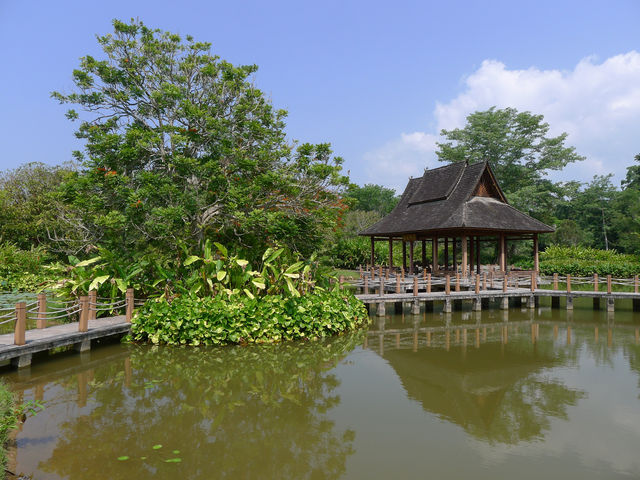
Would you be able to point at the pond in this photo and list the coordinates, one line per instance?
(498, 394)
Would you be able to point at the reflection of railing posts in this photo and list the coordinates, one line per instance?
(42, 310)
(83, 324)
(93, 307)
(21, 323)
(129, 309)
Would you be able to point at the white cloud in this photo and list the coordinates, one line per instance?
(597, 104)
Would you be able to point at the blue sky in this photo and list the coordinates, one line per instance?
(377, 80)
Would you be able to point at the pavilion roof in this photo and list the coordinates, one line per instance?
(457, 196)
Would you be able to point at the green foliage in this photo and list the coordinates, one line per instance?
(181, 147)
(239, 319)
(352, 252)
(24, 270)
(583, 261)
(8, 421)
(27, 209)
(372, 198)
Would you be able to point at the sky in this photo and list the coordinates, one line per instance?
(377, 80)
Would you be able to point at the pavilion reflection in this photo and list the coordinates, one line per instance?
(487, 378)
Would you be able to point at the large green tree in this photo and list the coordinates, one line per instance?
(181, 146)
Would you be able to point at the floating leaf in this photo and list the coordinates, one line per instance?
(173, 460)
(123, 458)
(176, 452)
(157, 447)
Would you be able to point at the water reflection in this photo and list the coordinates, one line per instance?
(255, 412)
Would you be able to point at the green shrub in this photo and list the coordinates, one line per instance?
(239, 319)
(7, 423)
(582, 261)
(24, 270)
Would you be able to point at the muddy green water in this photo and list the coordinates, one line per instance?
(481, 396)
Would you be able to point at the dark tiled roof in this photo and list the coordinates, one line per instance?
(443, 199)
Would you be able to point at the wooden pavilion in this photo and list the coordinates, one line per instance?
(457, 205)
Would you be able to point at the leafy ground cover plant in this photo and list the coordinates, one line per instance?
(583, 261)
(189, 320)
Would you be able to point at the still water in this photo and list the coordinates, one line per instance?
(515, 394)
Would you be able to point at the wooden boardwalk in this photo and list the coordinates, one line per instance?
(45, 339)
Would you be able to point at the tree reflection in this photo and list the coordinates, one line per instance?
(252, 412)
(497, 393)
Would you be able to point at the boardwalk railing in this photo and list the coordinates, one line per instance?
(84, 308)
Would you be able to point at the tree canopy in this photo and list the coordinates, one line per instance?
(181, 146)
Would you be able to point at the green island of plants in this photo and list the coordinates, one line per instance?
(224, 300)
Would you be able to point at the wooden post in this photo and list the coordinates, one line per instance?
(340, 282)
(491, 277)
(457, 282)
(635, 284)
(21, 324)
(484, 281)
(505, 282)
(533, 281)
(42, 310)
(472, 256)
(366, 285)
(381, 288)
(424, 255)
(609, 284)
(402, 275)
(568, 283)
(390, 252)
(404, 255)
(536, 257)
(411, 257)
(429, 283)
(373, 249)
(397, 284)
(555, 281)
(446, 253)
(478, 255)
(464, 256)
(595, 282)
(455, 254)
(83, 324)
(477, 284)
(415, 286)
(434, 254)
(447, 284)
(93, 300)
(129, 310)
(503, 254)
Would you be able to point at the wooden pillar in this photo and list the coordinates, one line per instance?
(446, 253)
(390, 252)
(455, 255)
(130, 300)
(434, 253)
(411, 257)
(93, 300)
(21, 324)
(42, 310)
(503, 253)
(83, 324)
(472, 244)
(478, 255)
(464, 256)
(424, 254)
(404, 255)
(536, 257)
(373, 248)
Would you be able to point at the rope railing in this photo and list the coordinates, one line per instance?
(44, 310)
